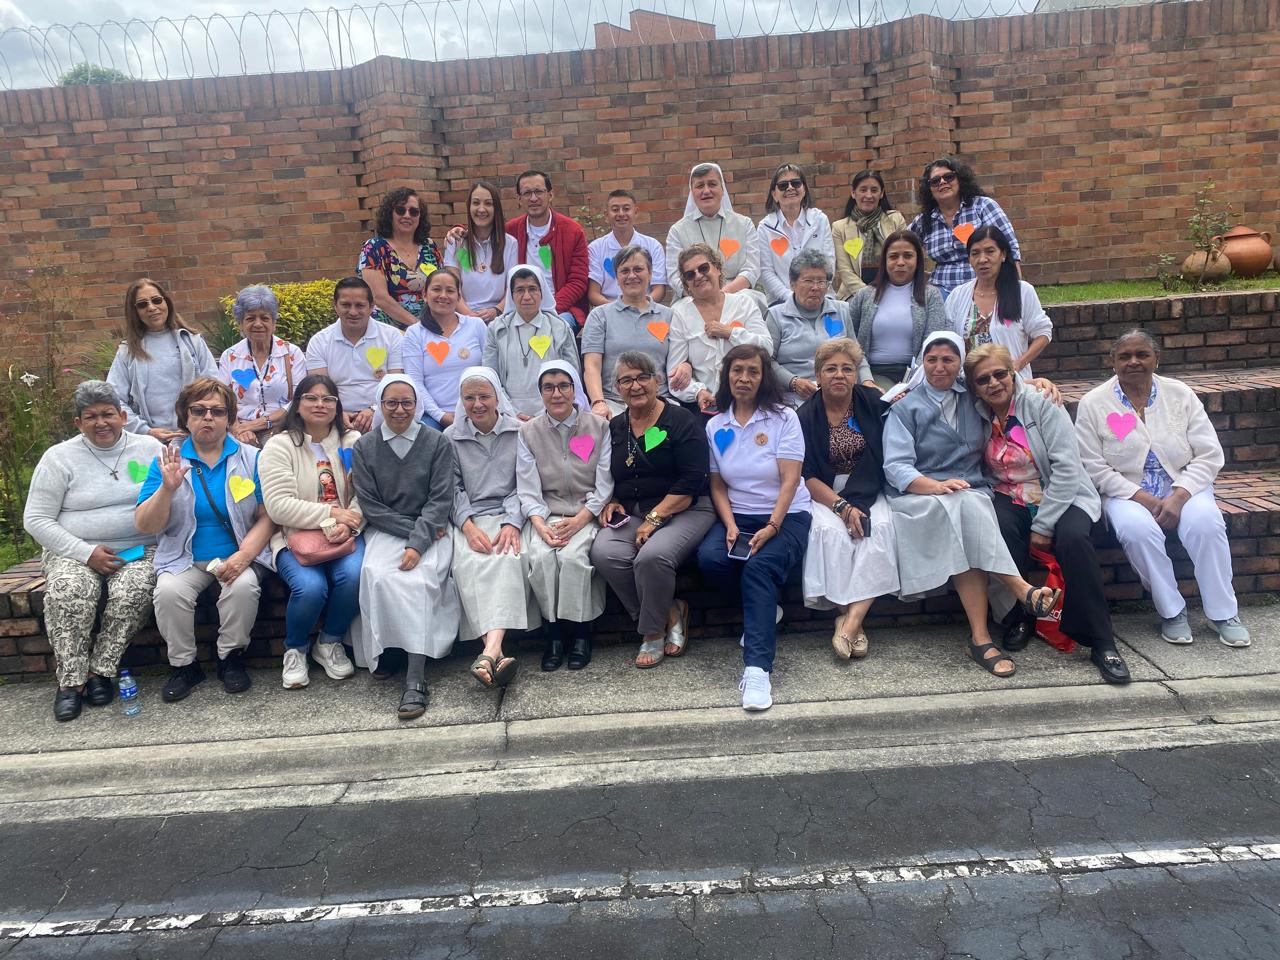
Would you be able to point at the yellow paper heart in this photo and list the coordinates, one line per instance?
(376, 356)
(427, 269)
(240, 487)
(854, 247)
(540, 345)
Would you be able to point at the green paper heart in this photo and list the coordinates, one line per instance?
(653, 437)
(544, 254)
(464, 258)
(138, 471)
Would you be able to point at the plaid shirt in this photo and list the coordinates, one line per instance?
(952, 263)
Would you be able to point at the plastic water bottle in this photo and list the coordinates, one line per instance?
(130, 704)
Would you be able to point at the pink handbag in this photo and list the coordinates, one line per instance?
(312, 547)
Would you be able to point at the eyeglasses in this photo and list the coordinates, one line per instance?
(625, 382)
(999, 376)
(549, 388)
(701, 270)
(533, 194)
(201, 412)
(324, 401)
(399, 404)
(789, 184)
(941, 178)
(407, 211)
(812, 282)
(141, 305)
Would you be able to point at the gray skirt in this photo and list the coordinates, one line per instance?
(493, 587)
(413, 610)
(940, 536)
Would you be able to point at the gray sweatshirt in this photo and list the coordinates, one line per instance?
(409, 498)
(149, 388)
(485, 472)
(75, 505)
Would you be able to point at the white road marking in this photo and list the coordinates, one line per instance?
(922, 872)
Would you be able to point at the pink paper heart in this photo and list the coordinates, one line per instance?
(1122, 424)
(581, 447)
(1019, 436)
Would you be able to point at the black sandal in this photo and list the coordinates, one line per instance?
(506, 671)
(1040, 608)
(978, 654)
(413, 702)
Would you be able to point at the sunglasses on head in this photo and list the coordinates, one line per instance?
(143, 304)
(701, 270)
(941, 178)
(1000, 376)
(407, 211)
(795, 184)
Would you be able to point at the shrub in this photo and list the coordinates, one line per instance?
(92, 73)
(304, 309)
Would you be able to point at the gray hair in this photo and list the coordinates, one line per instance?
(702, 169)
(809, 260)
(256, 297)
(93, 392)
(636, 360)
(1135, 333)
(626, 253)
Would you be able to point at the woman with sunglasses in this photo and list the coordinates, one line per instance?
(791, 224)
(307, 490)
(952, 205)
(159, 356)
(1044, 500)
(996, 306)
(869, 217)
(393, 262)
(262, 369)
(707, 324)
(562, 477)
(404, 477)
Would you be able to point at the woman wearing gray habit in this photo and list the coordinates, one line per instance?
(80, 510)
(487, 565)
(519, 341)
(404, 480)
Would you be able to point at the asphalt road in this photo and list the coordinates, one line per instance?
(1087, 857)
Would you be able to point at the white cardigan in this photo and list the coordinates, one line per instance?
(1015, 337)
(1114, 447)
(290, 483)
(775, 267)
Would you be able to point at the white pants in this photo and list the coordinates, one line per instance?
(1204, 534)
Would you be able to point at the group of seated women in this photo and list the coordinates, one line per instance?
(400, 541)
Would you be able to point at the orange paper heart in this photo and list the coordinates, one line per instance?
(659, 330)
(737, 324)
(729, 247)
(439, 349)
(780, 245)
(963, 231)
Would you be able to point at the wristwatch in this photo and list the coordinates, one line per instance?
(655, 518)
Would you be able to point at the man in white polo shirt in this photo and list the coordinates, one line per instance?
(602, 288)
(355, 352)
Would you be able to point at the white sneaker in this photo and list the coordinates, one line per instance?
(757, 691)
(295, 674)
(333, 658)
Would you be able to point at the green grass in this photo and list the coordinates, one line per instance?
(11, 555)
(1131, 289)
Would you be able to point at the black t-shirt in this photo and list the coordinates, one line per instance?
(676, 463)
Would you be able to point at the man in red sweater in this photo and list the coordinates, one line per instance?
(553, 242)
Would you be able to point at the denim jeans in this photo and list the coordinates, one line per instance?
(432, 422)
(570, 319)
(335, 583)
(759, 579)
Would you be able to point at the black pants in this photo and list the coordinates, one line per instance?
(1086, 618)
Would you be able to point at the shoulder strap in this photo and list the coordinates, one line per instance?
(213, 504)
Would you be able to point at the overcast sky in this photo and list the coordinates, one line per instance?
(230, 37)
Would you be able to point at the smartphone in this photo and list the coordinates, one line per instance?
(866, 525)
(620, 520)
(132, 554)
(741, 549)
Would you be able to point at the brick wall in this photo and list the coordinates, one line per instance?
(1093, 128)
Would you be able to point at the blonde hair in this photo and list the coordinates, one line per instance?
(849, 347)
(987, 351)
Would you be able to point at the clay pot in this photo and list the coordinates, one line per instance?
(1248, 250)
(1206, 266)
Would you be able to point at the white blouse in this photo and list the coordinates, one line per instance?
(1015, 336)
(688, 340)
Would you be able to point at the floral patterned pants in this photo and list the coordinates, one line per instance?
(72, 591)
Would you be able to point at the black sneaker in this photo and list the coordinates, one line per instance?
(231, 671)
(181, 681)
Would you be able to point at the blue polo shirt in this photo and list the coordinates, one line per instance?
(211, 538)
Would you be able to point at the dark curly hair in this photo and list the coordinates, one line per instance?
(964, 175)
(397, 198)
(768, 397)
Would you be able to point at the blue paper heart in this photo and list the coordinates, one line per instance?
(853, 425)
(344, 454)
(244, 377)
(723, 437)
(608, 267)
(833, 326)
